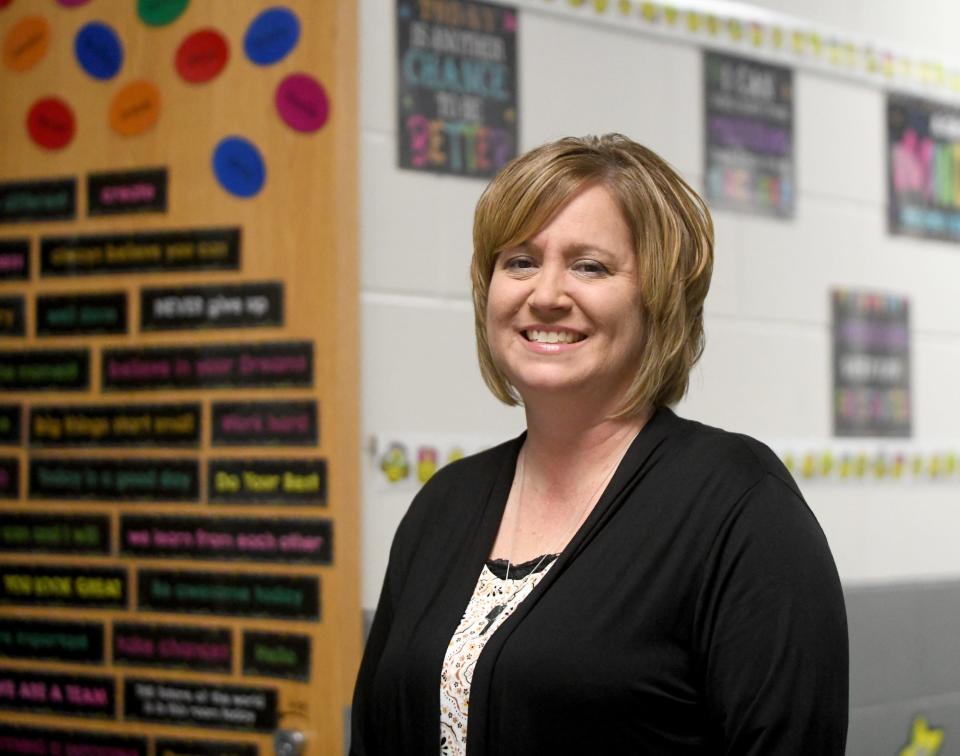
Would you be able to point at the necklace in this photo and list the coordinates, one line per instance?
(576, 521)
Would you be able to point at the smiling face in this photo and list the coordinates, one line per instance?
(564, 308)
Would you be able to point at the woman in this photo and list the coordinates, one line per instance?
(616, 580)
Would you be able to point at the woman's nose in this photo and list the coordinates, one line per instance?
(549, 288)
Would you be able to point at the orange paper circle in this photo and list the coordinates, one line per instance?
(135, 108)
(26, 43)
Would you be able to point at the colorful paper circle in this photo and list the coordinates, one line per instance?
(135, 108)
(201, 56)
(160, 12)
(302, 102)
(98, 50)
(26, 43)
(271, 36)
(51, 123)
(238, 166)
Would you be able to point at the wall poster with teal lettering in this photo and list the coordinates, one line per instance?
(456, 87)
(748, 135)
(922, 169)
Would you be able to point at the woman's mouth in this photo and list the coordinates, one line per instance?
(552, 337)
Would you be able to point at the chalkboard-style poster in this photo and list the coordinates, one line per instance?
(105, 425)
(10, 424)
(198, 648)
(14, 259)
(72, 314)
(48, 533)
(54, 585)
(11, 316)
(276, 655)
(44, 370)
(176, 747)
(456, 86)
(73, 695)
(74, 642)
(186, 704)
(41, 200)
(871, 364)
(267, 481)
(922, 174)
(9, 478)
(128, 479)
(117, 192)
(292, 423)
(31, 741)
(748, 135)
(248, 305)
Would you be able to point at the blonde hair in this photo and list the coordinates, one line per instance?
(672, 233)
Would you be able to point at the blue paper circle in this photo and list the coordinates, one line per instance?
(239, 167)
(271, 36)
(98, 50)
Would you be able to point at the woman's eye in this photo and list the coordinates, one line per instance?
(518, 263)
(590, 268)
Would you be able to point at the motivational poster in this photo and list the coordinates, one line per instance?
(74, 642)
(263, 539)
(74, 314)
(9, 478)
(176, 747)
(185, 704)
(14, 259)
(279, 423)
(10, 433)
(44, 370)
(229, 594)
(109, 425)
(749, 163)
(42, 692)
(456, 86)
(122, 192)
(50, 585)
(257, 365)
(267, 481)
(36, 741)
(127, 479)
(922, 168)
(11, 316)
(276, 655)
(54, 533)
(197, 648)
(40, 200)
(871, 364)
(140, 252)
(218, 306)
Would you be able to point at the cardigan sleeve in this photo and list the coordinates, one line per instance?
(772, 630)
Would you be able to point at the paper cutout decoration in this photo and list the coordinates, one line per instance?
(201, 56)
(271, 36)
(135, 108)
(26, 43)
(51, 123)
(302, 102)
(98, 50)
(160, 12)
(239, 167)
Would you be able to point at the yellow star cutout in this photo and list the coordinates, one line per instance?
(924, 740)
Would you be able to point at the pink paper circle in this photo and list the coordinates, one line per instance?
(302, 102)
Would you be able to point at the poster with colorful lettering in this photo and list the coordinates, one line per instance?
(922, 173)
(456, 86)
(871, 364)
(748, 135)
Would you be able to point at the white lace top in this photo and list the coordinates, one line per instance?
(493, 600)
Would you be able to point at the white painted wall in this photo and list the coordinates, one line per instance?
(766, 370)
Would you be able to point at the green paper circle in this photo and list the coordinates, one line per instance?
(160, 12)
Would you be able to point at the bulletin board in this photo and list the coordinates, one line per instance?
(178, 376)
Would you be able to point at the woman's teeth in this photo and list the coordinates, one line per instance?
(553, 337)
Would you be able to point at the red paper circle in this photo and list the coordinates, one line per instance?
(202, 55)
(51, 123)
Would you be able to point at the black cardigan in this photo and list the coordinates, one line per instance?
(696, 611)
